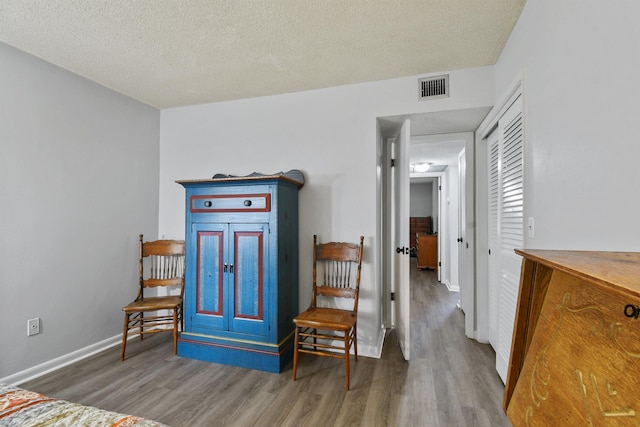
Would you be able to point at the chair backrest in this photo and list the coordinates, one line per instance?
(164, 262)
(336, 270)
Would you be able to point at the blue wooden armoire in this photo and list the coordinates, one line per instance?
(241, 277)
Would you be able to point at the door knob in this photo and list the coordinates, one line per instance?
(402, 250)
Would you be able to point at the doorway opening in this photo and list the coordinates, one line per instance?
(428, 129)
(442, 205)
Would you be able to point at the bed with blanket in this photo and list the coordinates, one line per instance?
(25, 408)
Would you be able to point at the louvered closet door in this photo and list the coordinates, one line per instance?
(494, 218)
(506, 231)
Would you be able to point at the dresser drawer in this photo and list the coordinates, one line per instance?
(231, 203)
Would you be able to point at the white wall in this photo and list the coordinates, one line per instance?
(435, 207)
(450, 198)
(329, 134)
(421, 199)
(580, 62)
(78, 183)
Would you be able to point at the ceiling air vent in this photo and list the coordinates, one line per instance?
(433, 87)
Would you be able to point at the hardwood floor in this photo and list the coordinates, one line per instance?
(450, 381)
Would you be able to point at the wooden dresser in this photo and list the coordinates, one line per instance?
(419, 224)
(427, 250)
(575, 357)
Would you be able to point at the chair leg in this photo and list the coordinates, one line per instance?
(175, 330)
(295, 353)
(141, 325)
(355, 342)
(346, 356)
(125, 333)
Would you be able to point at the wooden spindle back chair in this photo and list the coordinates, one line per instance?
(164, 261)
(329, 331)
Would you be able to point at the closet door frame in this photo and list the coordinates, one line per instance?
(501, 264)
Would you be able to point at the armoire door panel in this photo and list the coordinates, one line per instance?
(210, 291)
(248, 299)
(249, 268)
(205, 307)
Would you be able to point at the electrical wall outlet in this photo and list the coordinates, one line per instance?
(33, 326)
(531, 232)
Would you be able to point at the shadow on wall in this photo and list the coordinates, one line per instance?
(316, 208)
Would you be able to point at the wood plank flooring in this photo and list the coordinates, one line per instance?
(451, 380)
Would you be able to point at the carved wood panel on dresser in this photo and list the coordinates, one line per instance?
(575, 358)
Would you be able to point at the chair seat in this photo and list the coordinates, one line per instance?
(323, 317)
(153, 303)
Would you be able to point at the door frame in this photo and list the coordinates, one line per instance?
(383, 220)
(442, 227)
(384, 228)
(488, 125)
(399, 250)
(385, 251)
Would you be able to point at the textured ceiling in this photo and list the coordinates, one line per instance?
(175, 53)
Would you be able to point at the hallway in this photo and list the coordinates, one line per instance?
(454, 375)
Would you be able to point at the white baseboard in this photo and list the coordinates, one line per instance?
(480, 340)
(60, 362)
(451, 288)
(373, 351)
(83, 353)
